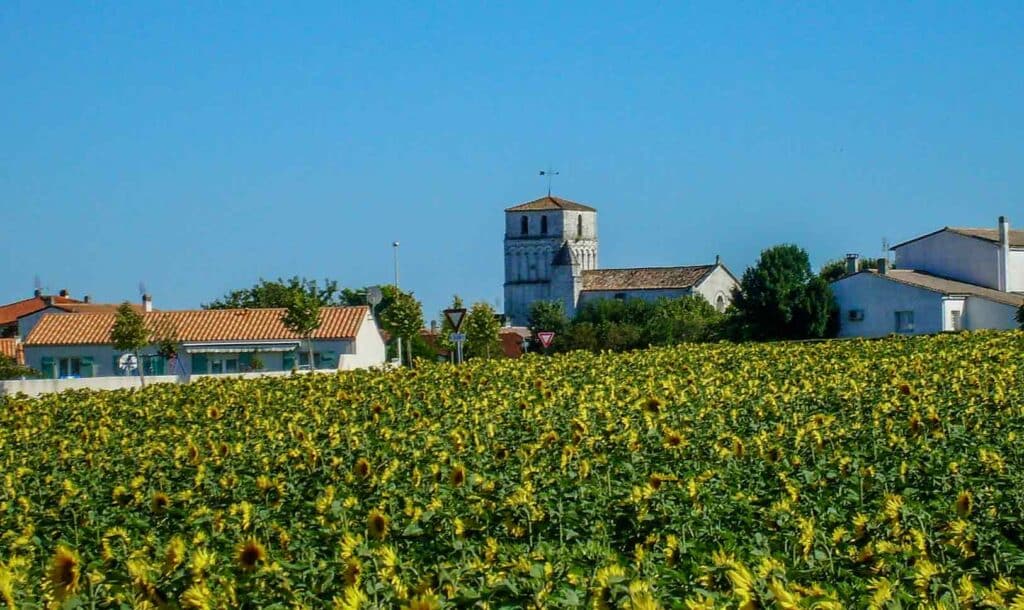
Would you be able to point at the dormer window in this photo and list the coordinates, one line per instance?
(543, 225)
(524, 226)
(579, 225)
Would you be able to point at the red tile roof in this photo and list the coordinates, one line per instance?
(203, 325)
(12, 349)
(644, 278)
(550, 203)
(10, 313)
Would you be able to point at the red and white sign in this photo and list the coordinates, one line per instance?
(546, 337)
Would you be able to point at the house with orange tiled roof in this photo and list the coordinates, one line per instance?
(207, 342)
(10, 312)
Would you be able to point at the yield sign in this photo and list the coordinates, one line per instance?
(455, 317)
(546, 338)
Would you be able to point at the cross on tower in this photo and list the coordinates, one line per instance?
(550, 173)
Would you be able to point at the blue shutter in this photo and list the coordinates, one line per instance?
(114, 368)
(245, 362)
(49, 369)
(199, 364)
(288, 359)
(86, 367)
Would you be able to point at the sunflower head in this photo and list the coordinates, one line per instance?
(423, 602)
(458, 476)
(250, 553)
(964, 503)
(652, 405)
(65, 572)
(362, 468)
(377, 524)
(160, 502)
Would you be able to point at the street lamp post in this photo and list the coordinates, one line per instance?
(399, 339)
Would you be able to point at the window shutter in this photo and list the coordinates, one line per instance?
(199, 364)
(86, 367)
(327, 360)
(159, 365)
(49, 370)
(114, 369)
(288, 359)
(245, 362)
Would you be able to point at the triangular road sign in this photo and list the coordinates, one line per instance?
(455, 317)
(545, 338)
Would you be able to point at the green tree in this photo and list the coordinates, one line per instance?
(403, 317)
(777, 298)
(280, 293)
(548, 316)
(689, 318)
(10, 369)
(302, 317)
(836, 269)
(482, 328)
(130, 334)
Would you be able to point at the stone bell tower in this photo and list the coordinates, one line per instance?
(549, 242)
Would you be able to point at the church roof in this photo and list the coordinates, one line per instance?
(550, 203)
(645, 278)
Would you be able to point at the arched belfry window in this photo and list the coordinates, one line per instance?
(543, 225)
(720, 304)
(579, 225)
(524, 225)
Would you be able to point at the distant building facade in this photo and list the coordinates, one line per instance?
(948, 280)
(551, 254)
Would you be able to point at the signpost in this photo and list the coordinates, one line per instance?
(455, 318)
(546, 337)
(127, 363)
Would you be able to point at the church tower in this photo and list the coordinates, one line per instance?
(549, 242)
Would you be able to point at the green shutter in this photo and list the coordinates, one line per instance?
(114, 368)
(328, 360)
(199, 364)
(159, 365)
(49, 369)
(289, 361)
(245, 362)
(87, 370)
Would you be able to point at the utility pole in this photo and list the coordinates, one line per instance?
(399, 342)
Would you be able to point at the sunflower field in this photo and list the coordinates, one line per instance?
(867, 474)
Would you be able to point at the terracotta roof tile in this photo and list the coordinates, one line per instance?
(641, 278)
(203, 325)
(551, 203)
(12, 349)
(12, 311)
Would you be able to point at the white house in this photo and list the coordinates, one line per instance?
(951, 279)
(551, 254)
(208, 342)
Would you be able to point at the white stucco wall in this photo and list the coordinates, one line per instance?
(718, 282)
(953, 256)
(1016, 278)
(880, 299)
(950, 305)
(982, 313)
(367, 350)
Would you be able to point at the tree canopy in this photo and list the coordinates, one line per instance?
(481, 328)
(302, 317)
(130, 334)
(10, 369)
(280, 293)
(403, 317)
(781, 298)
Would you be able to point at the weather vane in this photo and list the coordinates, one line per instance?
(550, 173)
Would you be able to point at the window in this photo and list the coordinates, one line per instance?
(720, 304)
(543, 225)
(620, 296)
(957, 320)
(223, 364)
(524, 226)
(69, 368)
(856, 315)
(904, 321)
(318, 360)
(579, 226)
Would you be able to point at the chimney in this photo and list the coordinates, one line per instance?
(718, 260)
(433, 327)
(87, 299)
(852, 263)
(147, 303)
(63, 292)
(1004, 254)
(38, 293)
(883, 266)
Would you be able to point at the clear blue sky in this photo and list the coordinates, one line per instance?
(198, 148)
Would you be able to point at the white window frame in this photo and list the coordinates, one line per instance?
(68, 361)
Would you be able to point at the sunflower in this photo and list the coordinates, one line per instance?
(964, 503)
(249, 554)
(65, 571)
(458, 476)
(160, 502)
(427, 601)
(652, 405)
(377, 524)
(362, 468)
